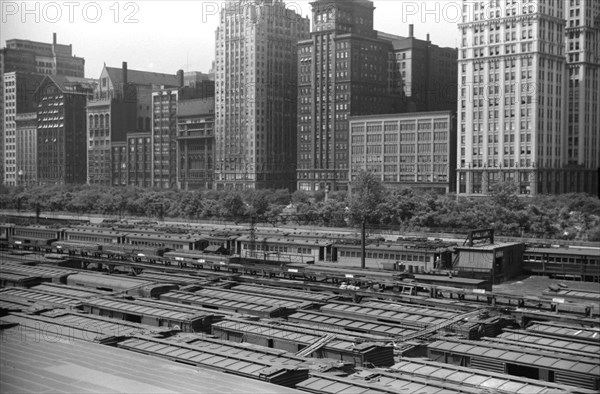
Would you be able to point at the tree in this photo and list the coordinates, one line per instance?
(367, 193)
(506, 194)
(299, 197)
(233, 205)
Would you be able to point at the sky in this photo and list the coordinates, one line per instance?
(165, 36)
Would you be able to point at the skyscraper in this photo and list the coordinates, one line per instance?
(61, 129)
(29, 58)
(583, 59)
(18, 98)
(164, 125)
(512, 112)
(255, 94)
(344, 69)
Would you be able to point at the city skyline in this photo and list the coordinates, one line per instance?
(190, 45)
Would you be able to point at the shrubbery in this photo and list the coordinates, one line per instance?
(571, 216)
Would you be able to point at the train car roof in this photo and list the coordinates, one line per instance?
(108, 281)
(568, 251)
(99, 230)
(287, 241)
(486, 247)
(165, 237)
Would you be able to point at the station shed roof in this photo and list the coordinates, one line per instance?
(133, 307)
(114, 282)
(295, 334)
(412, 308)
(175, 306)
(239, 305)
(68, 325)
(224, 358)
(322, 383)
(20, 278)
(31, 365)
(165, 277)
(37, 270)
(351, 323)
(419, 319)
(563, 330)
(520, 355)
(71, 291)
(545, 341)
(287, 293)
(37, 296)
(484, 380)
(254, 298)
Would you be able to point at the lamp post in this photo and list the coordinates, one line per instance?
(20, 179)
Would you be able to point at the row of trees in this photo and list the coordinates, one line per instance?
(572, 216)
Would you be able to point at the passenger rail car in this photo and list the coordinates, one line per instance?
(563, 263)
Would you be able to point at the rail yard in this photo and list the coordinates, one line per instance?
(215, 309)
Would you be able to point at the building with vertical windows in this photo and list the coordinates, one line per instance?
(164, 126)
(121, 103)
(18, 98)
(406, 150)
(428, 73)
(583, 62)
(61, 129)
(196, 143)
(26, 125)
(512, 110)
(118, 163)
(255, 94)
(139, 159)
(345, 70)
(32, 57)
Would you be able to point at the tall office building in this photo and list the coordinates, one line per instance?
(512, 112)
(31, 57)
(196, 143)
(164, 125)
(121, 104)
(18, 98)
(583, 59)
(61, 129)
(345, 70)
(26, 148)
(255, 94)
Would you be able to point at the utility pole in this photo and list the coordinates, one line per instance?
(253, 237)
(362, 246)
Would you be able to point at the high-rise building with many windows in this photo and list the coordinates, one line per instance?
(121, 104)
(583, 60)
(28, 58)
(529, 74)
(512, 112)
(17, 98)
(164, 127)
(61, 129)
(255, 94)
(345, 70)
